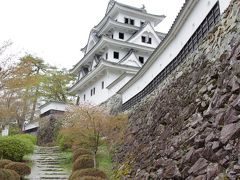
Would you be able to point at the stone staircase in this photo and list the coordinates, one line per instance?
(46, 164)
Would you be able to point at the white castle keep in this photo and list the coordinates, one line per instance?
(117, 48)
(125, 56)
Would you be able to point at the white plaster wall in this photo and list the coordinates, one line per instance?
(5, 131)
(100, 95)
(112, 75)
(120, 18)
(122, 53)
(145, 55)
(126, 35)
(120, 84)
(193, 21)
(154, 43)
(54, 106)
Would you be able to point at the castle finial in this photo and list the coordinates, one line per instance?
(111, 1)
(143, 6)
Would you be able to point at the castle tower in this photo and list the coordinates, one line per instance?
(117, 47)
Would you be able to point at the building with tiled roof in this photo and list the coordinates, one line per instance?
(118, 46)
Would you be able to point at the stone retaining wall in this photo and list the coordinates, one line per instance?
(189, 127)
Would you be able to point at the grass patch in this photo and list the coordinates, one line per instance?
(104, 160)
(28, 160)
(66, 162)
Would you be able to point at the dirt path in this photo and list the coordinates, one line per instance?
(46, 164)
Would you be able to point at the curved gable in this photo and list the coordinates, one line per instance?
(148, 32)
(131, 60)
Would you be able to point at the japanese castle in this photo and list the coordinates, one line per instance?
(118, 46)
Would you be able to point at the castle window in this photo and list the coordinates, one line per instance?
(93, 91)
(126, 20)
(129, 21)
(149, 40)
(121, 35)
(106, 56)
(102, 84)
(116, 55)
(84, 97)
(141, 59)
(146, 39)
(132, 21)
(141, 23)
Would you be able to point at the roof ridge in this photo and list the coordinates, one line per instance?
(138, 32)
(126, 56)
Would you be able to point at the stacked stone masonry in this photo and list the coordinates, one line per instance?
(189, 128)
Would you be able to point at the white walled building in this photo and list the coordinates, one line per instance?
(116, 49)
(193, 22)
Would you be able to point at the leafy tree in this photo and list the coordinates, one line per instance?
(89, 122)
(27, 81)
(55, 85)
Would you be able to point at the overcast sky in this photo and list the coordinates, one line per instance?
(56, 30)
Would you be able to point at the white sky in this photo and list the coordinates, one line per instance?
(56, 30)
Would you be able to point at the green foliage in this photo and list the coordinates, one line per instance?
(7, 174)
(13, 130)
(55, 85)
(104, 160)
(83, 162)
(30, 137)
(90, 173)
(4, 162)
(66, 163)
(65, 140)
(21, 168)
(14, 148)
(28, 140)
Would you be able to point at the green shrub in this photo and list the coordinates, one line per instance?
(29, 146)
(88, 173)
(83, 162)
(79, 152)
(7, 174)
(65, 141)
(14, 148)
(30, 137)
(4, 162)
(14, 129)
(21, 168)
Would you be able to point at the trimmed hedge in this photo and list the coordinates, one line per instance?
(14, 148)
(30, 137)
(65, 141)
(4, 162)
(79, 152)
(21, 168)
(7, 174)
(88, 178)
(88, 173)
(83, 162)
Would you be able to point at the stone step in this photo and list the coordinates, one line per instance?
(47, 164)
(53, 177)
(56, 169)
